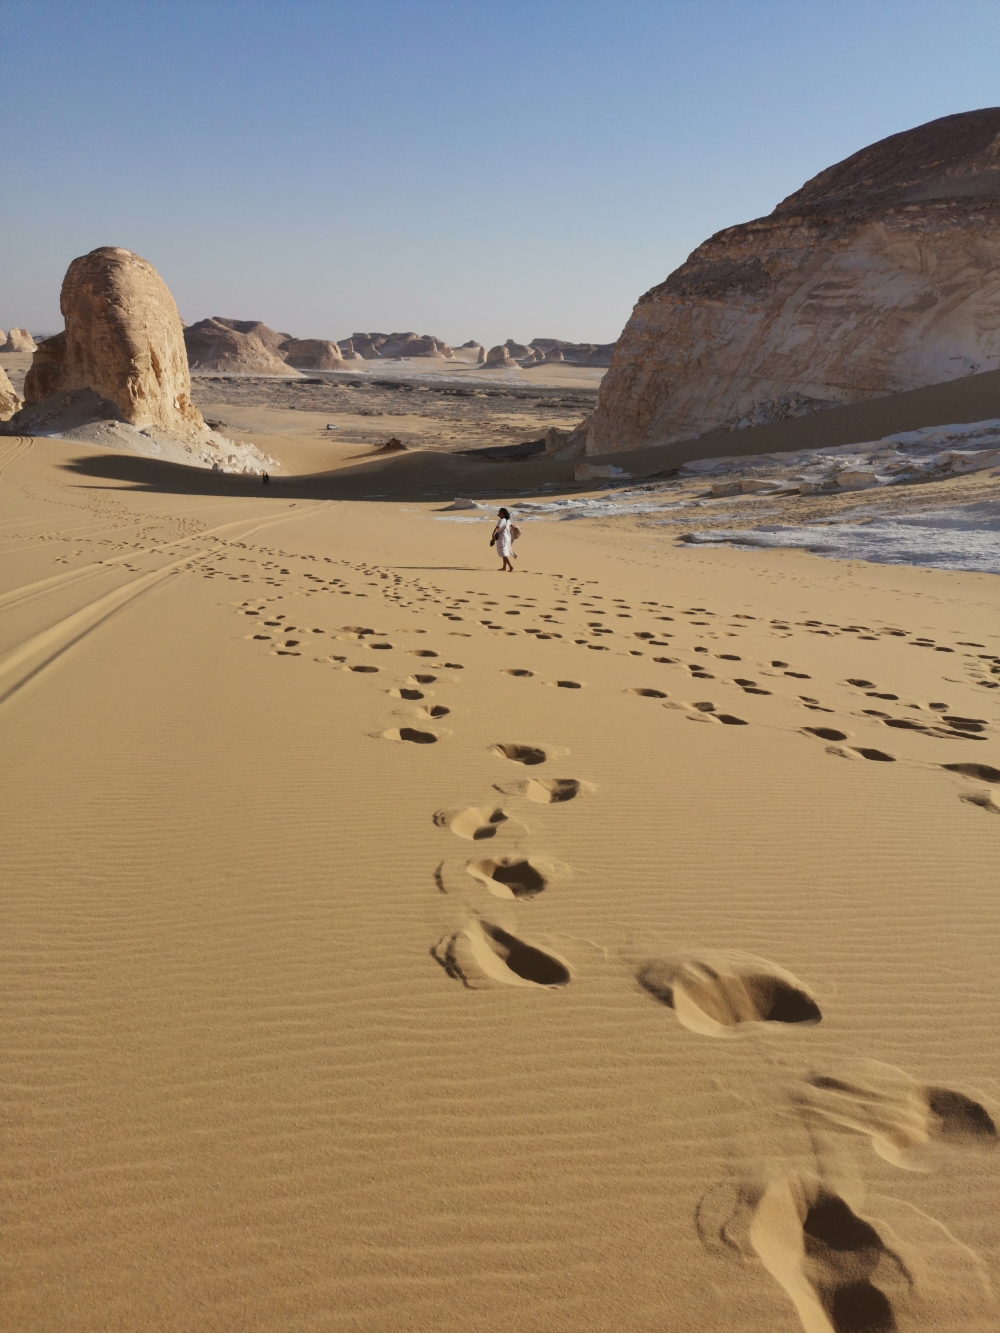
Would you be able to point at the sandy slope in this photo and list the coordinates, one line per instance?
(276, 1060)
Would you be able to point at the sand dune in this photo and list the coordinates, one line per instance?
(386, 949)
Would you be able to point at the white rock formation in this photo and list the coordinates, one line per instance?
(9, 400)
(498, 358)
(123, 339)
(881, 274)
(19, 340)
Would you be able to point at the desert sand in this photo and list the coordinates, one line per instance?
(394, 944)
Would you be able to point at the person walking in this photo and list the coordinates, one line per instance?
(502, 538)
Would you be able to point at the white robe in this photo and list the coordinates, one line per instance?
(503, 538)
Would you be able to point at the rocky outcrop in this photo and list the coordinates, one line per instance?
(9, 401)
(575, 354)
(394, 346)
(18, 340)
(499, 358)
(240, 347)
(879, 275)
(123, 340)
(311, 354)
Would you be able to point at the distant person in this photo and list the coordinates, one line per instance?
(265, 479)
(503, 539)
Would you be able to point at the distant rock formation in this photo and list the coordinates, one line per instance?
(241, 347)
(481, 358)
(9, 401)
(499, 358)
(467, 347)
(393, 346)
(311, 354)
(519, 350)
(18, 340)
(575, 354)
(123, 340)
(879, 275)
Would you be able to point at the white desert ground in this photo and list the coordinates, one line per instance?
(395, 944)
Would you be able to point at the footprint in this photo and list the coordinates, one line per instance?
(730, 721)
(483, 952)
(422, 680)
(521, 754)
(515, 671)
(407, 694)
(981, 771)
(475, 823)
(826, 733)
(433, 710)
(646, 694)
(365, 670)
(984, 799)
(833, 1265)
(411, 734)
(565, 684)
(421, 652)
(903, 1119)
(549, 791)
(512, 876)
(880, 756)
(716, 993)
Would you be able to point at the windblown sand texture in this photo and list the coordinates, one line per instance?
(395, 944)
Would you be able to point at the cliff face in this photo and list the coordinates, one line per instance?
(881, 274)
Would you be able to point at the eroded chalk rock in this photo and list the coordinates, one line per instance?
(9, 400)
(123, 339)
(18, 340)
(239, 346)
(877, 276)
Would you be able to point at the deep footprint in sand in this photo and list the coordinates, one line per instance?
(475, 823)
(833, 1264)
(407, 694)
(646, 693)
(906, 1121)
(411, 734)
(715, 994)
(483, 953)
(553, 791)
(826, 733)
(513, 876)
(432, 710)
(515, 671)
(521, 754)
(565, 684)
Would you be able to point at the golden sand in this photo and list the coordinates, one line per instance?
(395, 944)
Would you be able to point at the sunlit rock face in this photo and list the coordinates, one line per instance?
(123, 339)
(880, 274)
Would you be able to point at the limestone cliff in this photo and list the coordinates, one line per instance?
(880, 274)
(123, 340)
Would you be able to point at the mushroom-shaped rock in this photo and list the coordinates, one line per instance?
(123, 339)
(497, 358)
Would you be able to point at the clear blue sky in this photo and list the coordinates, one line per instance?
(467, 168)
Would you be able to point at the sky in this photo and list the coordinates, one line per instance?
(467, 168)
